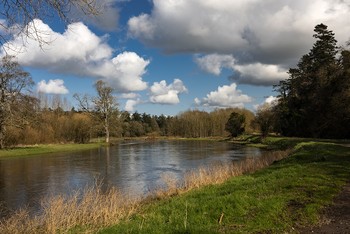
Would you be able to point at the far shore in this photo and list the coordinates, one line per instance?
(272, 142)
(30, 150)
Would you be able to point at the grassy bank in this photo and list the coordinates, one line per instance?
(287, 195)
(45, 149)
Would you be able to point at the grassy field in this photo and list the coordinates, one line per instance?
(45, 149)
(287, 195)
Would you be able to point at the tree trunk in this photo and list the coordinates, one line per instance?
(107, 129)
(107, 135)
(2, 137)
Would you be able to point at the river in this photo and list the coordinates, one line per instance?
(134, 166)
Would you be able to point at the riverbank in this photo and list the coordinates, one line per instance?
(28, 150)
(284, 197)
(46, 149)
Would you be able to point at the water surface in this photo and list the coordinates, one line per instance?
(134, 166)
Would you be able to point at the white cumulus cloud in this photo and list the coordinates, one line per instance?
(52, 87)
(129, 95)
(214, 63)
(107, 17)
(78, 51)
(259, 74)
(162, 93)
(262, 33)
(255, 73)
(225, 96)
(130, 104)
(226, 25)
(268, 102)
(128, 71)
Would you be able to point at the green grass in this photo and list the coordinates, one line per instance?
(287, 195)
(45, 149)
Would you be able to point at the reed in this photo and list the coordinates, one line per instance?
(86, 211)
(215, 173)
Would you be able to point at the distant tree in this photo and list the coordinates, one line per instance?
(235, 124)
(104, 106)
(264, 119)
(137, 117)
(125, 116)
(136, 129)
(80, 125)
(162, 124)
(16, 105)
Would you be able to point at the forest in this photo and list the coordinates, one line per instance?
(313, 102)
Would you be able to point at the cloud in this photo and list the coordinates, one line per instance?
(271, 99)
(259, 74)
(107, 18)
(162, 93)
(3, 26)
(129, 68)
(255, 73)
(130, 104)
(268, 102)
(225, 96)
(129, 95)
(52, 87)
(254, 32)
(214, 63)
(78, 51)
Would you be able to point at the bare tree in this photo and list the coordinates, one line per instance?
(15, 103)
(103, 106)
(15, 15)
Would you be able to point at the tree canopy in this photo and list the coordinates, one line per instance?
(314, 100)
(235, 124)
(15, 104)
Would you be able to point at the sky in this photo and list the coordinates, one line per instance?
(170, 56)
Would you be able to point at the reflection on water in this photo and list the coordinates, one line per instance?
(131, 166)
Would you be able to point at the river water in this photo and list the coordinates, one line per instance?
(135, 166)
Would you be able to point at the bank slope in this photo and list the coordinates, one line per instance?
(287, 195)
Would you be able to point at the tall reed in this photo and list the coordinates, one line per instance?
(220, 172)
(86, 211)
(215, 173)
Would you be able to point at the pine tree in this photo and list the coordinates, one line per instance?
(306, 94)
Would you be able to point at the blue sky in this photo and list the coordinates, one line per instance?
(166, 56)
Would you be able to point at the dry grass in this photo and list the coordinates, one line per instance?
(220, 172)
(91, 209)
(85, 211)
(215, 174)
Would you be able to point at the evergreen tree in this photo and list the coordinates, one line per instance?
(235, 124)
(307, 96)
